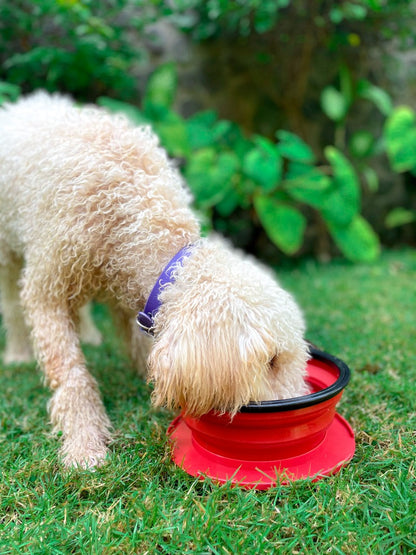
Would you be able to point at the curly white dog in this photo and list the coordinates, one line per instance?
(91, 207)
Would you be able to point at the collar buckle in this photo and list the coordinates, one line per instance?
(145, 322)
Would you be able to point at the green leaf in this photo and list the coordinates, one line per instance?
(207, 118)
(294, 148)
(357, 240)
(221, 129)
(132, 112)
(8, 92)
(400, 135)
(263, 164)
(343, 200)
(200, 129)
(229, 203)
(400, 216)
(210, 175)
(265, 17)
(362, 144)
(231, 136)
(379, 97)
(354, 11)
(334, 104)
(371, 178)
(307, 184)
(161, 88)
(336, 15)
(283, 223)
(173, 133)
(227, 165)
(347, 10)
(197, 173)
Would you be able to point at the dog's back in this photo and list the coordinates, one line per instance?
(57, 161)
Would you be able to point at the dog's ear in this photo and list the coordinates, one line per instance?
(198, 368)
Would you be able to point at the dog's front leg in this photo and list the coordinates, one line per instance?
(76, 409)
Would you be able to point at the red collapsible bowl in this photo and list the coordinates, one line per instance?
(273, 441)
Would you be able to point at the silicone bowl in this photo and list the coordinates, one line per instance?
(273, 441)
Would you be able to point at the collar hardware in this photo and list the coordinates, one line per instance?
(145, 319)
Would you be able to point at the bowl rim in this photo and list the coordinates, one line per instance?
(311, 399)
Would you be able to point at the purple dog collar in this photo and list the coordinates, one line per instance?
(145, 318)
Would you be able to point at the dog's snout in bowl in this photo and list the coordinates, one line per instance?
(272, 442)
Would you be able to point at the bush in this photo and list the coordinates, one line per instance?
(275, 186)
(78, 46)
(228, 171)
(400, 134)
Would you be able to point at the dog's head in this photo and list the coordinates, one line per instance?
(225, 334)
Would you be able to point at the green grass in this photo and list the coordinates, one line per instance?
(139, 502)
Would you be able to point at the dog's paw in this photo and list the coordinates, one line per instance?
(87, 449)
(84, 458)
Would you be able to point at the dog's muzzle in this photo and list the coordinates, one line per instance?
(145, 319)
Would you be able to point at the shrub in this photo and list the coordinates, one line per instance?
(228, 171)
(242, 182)
(400, 134)
(77, 46)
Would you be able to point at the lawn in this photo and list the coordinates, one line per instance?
(139, 502)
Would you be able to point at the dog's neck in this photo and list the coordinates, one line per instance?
(145, 319)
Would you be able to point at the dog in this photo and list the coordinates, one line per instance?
(92, 208)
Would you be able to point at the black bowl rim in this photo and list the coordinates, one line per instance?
(312, 398)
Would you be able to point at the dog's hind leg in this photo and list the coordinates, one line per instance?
(76, 409)
(87, 329)
(18, 346)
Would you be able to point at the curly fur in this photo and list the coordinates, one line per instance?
(90, 206)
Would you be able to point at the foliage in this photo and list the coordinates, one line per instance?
(8, 92)
(362, 145)
(228, 171)
(207, 19)
(91, 48)
(398, 139)
(140, 502)
(276, 183)
(400, 133)
(77, 46)
(281, 180)
(401, 139)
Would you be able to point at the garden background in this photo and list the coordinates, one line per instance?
(294, 124)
